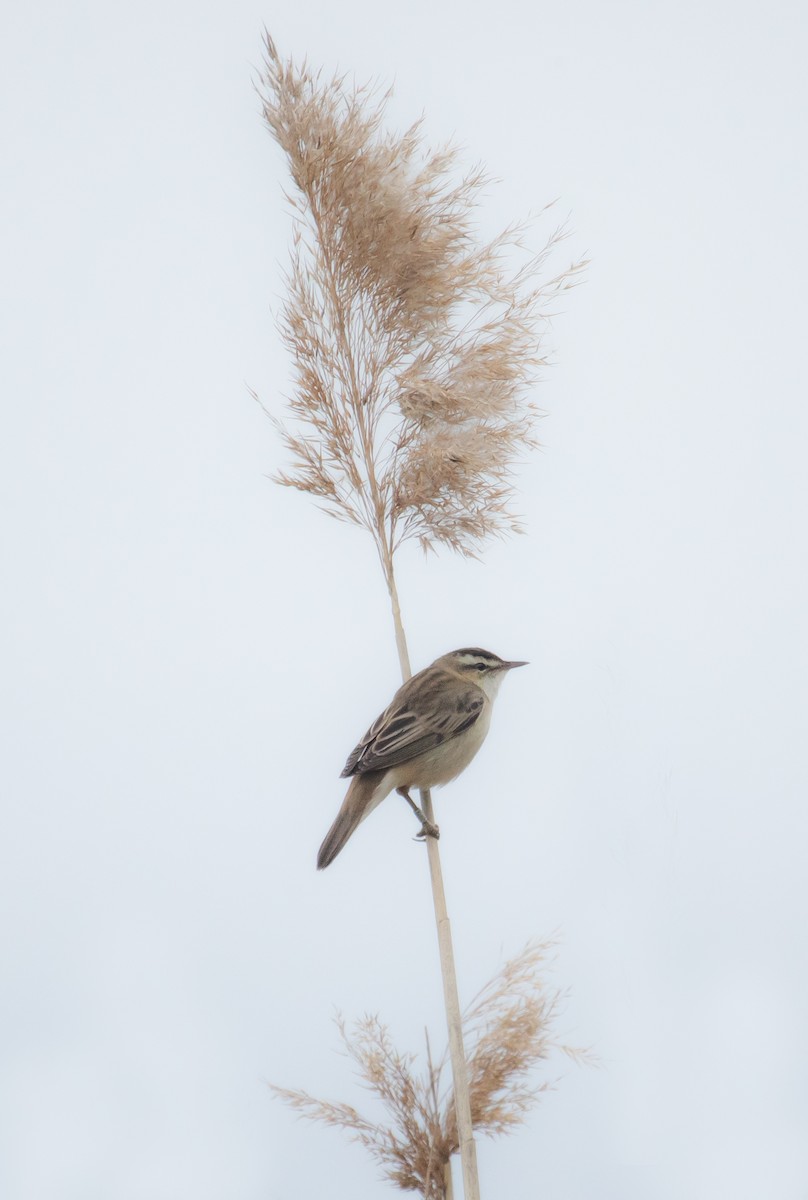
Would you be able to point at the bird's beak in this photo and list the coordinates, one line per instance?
(511, 665)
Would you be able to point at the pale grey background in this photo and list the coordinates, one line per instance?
(189, 652)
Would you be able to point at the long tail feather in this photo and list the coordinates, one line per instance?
(360, 799)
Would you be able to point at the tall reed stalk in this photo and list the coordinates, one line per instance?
(451, 997)
(414, 346)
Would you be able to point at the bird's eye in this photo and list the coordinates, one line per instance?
(480, 666)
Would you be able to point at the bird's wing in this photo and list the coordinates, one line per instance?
(442, 710)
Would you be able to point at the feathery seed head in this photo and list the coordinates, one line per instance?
(415, 346)
(509, 1035)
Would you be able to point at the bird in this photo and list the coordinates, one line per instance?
(427, 735)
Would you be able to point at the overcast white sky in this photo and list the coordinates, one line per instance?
(190, 652)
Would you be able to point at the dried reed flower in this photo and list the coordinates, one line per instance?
(507, 1031)
(414, 345)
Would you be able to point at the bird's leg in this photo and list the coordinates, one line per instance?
(427, 828)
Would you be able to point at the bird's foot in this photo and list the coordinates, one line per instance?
(427, 830)
(427, 827)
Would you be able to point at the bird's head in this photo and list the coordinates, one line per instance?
(487, 670)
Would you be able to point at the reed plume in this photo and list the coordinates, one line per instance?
(508, 1034)
(414, 345)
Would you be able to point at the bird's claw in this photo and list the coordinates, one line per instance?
(427, 830)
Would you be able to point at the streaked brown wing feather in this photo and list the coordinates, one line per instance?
(444, 708)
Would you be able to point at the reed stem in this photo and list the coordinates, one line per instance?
(451, 998)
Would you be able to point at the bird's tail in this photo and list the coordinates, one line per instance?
(361, 798)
